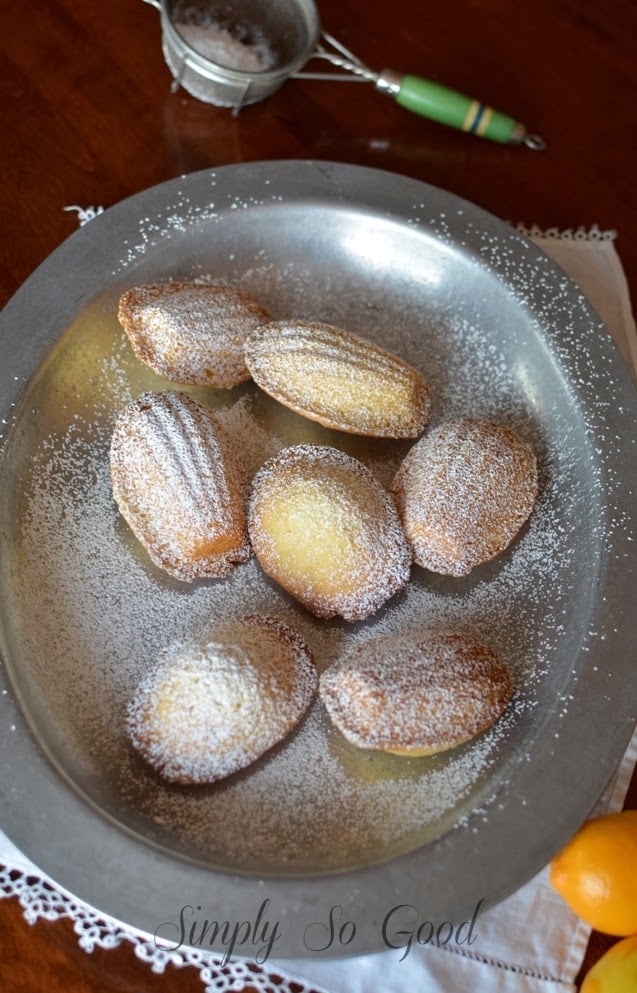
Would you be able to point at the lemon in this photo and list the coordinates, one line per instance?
(616, 971)
(596, 873)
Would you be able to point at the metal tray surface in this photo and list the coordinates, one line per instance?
(499, 331)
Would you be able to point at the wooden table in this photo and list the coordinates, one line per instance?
(88, 118)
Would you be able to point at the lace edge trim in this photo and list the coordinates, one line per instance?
(593, 233)
(39, 898)
(43, 900)
(84, 214)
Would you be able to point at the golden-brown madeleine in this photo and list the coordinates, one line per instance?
(215, 703)
(338, 379)
(415, 693)
(178, 485)
(463, 492)
(191, 332)
(323, 527)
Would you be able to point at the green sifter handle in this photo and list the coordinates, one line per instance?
(439, 103)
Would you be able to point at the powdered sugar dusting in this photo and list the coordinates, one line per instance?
(315, 800)
(416, 692)
(338, 379)
(463, 492)
(220, 46)
(178, 484)
(105, 613)
(327, 499)
(215, 703)
(191, 332)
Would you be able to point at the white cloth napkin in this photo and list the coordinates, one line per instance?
(590, 259)
(531, 942)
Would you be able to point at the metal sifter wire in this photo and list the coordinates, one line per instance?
(236, 52)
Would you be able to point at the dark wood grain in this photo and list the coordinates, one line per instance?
(88, 118)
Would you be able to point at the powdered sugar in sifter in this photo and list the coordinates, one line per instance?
(236, 52)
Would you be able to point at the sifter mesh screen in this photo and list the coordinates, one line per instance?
(280, 28)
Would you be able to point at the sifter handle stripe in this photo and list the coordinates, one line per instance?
(447, 106)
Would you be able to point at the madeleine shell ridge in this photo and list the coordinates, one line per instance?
(463, 493)
(415, 693)
(178, 486)
(338, 379)
(191, 333)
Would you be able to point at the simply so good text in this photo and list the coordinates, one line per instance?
(402, 928)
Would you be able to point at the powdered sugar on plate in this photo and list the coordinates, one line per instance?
(104, 613)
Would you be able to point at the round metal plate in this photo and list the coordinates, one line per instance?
(500, 331)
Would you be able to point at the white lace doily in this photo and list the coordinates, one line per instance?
(593, 233)
(41, 899)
